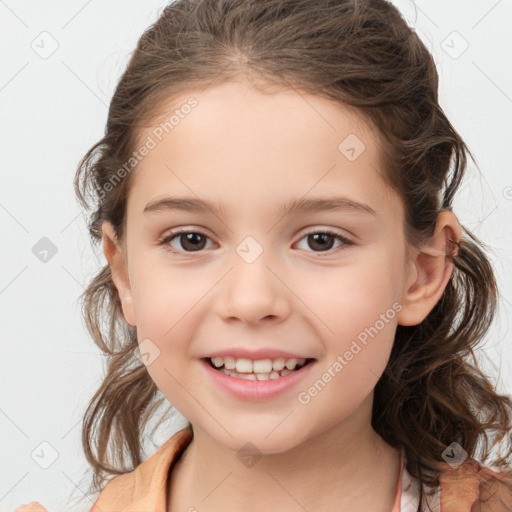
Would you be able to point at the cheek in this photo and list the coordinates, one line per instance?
(354, 296)
(364, 325)
(166, 303)
(346, 299)
(164, 297)
(343, 304)
(358, 307)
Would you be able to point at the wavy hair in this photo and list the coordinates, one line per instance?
(363, 54)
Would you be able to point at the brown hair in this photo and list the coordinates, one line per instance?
(360, 53)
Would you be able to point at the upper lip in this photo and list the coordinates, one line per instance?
(262, 353)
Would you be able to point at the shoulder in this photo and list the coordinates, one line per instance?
(477, 487)
(146, 485)
(34, 506)
(495, 491)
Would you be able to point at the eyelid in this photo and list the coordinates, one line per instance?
(170, 235)
(346, 241)
(330, 231)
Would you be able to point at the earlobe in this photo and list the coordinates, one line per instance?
(116, 259)
(433, 268)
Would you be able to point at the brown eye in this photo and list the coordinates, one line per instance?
(187, 241)
(192, 241)
(323, 241)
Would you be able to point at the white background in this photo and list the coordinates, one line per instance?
(53, 109)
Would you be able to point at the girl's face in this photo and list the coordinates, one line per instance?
(255, 280)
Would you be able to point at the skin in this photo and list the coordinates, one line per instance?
(252, 151)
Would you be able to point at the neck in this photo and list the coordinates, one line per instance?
(346, 467)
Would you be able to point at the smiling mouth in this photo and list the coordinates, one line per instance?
(257, 370)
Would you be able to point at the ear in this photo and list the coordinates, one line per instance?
(116, 258)
(432, 268)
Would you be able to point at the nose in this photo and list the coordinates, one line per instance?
(253, 291)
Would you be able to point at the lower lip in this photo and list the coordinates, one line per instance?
(256, 390)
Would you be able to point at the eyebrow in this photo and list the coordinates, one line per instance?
(294, 206)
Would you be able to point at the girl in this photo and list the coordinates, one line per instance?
(273, 194)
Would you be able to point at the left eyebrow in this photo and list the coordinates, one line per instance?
(293, 206)
(322, 204)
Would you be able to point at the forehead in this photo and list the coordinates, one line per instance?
(239, 104)
(233, 140)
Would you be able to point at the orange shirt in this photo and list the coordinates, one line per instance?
(145, 488)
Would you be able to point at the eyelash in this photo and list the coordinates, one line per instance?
(165, 240)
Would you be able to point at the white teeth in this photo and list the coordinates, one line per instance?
(229, 362)
(291, 364)
(261, 369)
(249, 376)
(260, 366)
(243, 365)
(255, 376)
(258, 370)
(278, 364)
